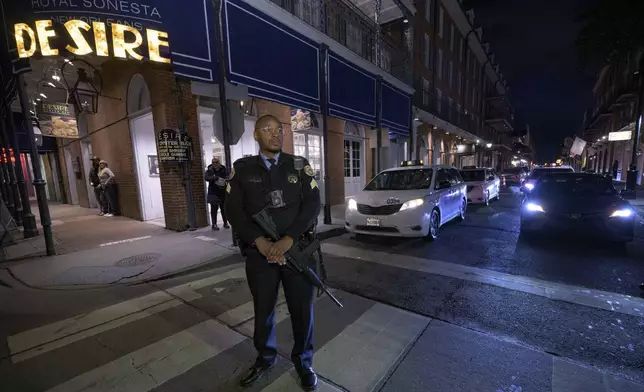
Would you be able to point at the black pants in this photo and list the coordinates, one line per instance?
(214, 206)
(109, 195)
(100, 199)
(264, 280)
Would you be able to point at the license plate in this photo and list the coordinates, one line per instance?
(373, 222)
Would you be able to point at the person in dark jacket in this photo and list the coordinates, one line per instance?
(216, 175)
(95, 182)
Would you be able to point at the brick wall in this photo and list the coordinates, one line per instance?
(335, 155)
(111, 139)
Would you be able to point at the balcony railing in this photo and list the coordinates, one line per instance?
(500, 115)
(430, 102)
(347, 25)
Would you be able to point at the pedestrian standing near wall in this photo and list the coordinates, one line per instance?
(95, 182)
(216, 176)
(108, 182)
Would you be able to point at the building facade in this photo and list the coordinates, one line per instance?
(608, 127)
(343, 94)
(462, 112)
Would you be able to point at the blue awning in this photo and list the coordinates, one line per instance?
(396, 110)
(352, 92)
(251, 35)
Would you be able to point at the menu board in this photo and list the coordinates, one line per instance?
(57, 120)
(173, 147)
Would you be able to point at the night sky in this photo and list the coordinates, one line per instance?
(534, 43)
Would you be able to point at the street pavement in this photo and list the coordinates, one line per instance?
(479, 310)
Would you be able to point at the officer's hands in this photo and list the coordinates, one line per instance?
(263, 246)
(276, 252)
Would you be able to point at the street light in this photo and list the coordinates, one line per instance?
(84, 90)
(489, 145)
(37, 132)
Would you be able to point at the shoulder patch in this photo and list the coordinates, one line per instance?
(314, 184)
(309, 171)
(228, 188)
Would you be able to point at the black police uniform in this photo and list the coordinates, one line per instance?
(253, 187)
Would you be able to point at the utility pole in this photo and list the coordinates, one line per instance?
(324, 108)
(223, 101)
(39, 183)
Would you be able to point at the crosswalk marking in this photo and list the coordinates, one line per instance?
(28, 344)
(619, 303)
(290, 382)
(48, 333)
(62, 342)
(244, 312)
(157, 363)
(362, 354)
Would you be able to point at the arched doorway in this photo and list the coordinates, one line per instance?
(146, 164)
(354, 159)
(86, 156)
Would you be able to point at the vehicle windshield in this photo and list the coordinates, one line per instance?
(473, 175)
(581, 185)
(537, 173)
(512, 170)
(401, 180)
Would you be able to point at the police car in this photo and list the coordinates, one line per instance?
(413, 200)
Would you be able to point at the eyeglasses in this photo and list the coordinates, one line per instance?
(279, 130)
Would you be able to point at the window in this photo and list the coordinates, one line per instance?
(450, 75)
(428, 11)
(439, 100)
(459, 81)
(467, 90)
(441, 21)
(352, 162)
(452, 40)
(441, 178)
(439, 63)
(445, 69)
(426, 92)
(461, 49)
(401, 180)
(455, 176)
(427, 51)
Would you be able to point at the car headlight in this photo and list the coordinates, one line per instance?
(533, 207)
(529, 186)
(352, 205)
(622, 213)
(412, 204)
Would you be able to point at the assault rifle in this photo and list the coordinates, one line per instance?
(296, 259)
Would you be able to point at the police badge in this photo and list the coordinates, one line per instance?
(309, 171)
(292, 179)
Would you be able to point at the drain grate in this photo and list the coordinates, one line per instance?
(136, 260)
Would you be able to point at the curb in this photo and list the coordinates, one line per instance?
(325, 235)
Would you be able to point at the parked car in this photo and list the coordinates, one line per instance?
(409, 201)
(483, 185)
(513, 176)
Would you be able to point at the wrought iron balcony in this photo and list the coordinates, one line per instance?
(348, 25)
(429, 101)
(501, 119)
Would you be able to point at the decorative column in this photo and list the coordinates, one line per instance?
(6, 143)
(376, 18)
(30, 229)
(7, 192)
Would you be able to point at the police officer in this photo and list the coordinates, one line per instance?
(284, 184)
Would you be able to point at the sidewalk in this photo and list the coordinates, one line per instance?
(95, 250)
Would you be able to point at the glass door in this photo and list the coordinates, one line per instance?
(352, 167)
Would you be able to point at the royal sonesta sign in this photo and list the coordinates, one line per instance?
(159, 30)
(125, 41)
